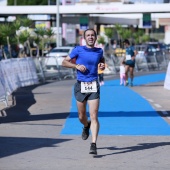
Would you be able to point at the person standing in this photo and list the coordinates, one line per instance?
(101, 76)
(1, 52)
(129, 62)
(87, 88)
(115, 45)
(122, 74)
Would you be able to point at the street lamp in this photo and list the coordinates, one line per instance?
(57, 22)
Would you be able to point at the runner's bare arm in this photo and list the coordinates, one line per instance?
(67, 63)
(135, 53)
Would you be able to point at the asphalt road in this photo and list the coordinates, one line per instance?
(30, 134)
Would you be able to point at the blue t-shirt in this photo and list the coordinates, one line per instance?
(130, 51)
(90, 58)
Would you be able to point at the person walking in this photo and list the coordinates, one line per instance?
(87, 88)
(1, 52)
(122, 74)
(129, 62)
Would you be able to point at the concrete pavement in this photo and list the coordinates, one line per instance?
(30, 134)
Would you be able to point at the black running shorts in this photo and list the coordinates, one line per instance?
(85, 96)
(130, 63)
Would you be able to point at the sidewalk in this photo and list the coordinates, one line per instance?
(30, 134)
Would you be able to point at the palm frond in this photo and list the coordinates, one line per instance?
(23, 36)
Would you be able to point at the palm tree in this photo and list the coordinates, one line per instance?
(101, 40)
(9, 33)
(23, 38)
(119, 31)
(37, 40)
(6, 32)
(109, 34)
(40, 32)
(23, 34)
(50, 33)
(126, 34)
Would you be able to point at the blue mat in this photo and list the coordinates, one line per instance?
(122, 111)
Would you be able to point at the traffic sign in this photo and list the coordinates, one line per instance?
(147, 20)
(84, 22)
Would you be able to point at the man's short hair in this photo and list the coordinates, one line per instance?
(90, 29)
(126, 41)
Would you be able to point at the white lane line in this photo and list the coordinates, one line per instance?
(157, 105)
(150, 100)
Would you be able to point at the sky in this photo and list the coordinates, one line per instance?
(3, 2)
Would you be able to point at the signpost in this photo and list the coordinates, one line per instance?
(147, 20)
(57, 24)
(84, 22)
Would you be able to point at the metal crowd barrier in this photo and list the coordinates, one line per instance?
(158, 61)
(3, 94)
(51, 68)
(16, 73)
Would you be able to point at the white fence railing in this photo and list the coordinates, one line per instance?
(16, 73)
(51, 67)
(143, 63)
(20, 72)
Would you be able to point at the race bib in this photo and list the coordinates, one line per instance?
(128, 57)
(88, 87)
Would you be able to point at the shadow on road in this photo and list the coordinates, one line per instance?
(14, 145)
(24, 99)
(139, 147)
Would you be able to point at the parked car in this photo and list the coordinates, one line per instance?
(60, 51)
(57, 55)
(154, 54)
(140, 50)
(159, 47)
(167, 47)
(150, 51)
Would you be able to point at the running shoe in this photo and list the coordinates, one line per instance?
(93, 149)
(127, 83)
(85, 133)
(131, 84)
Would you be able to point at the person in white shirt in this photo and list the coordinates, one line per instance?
(122, 74)
(1, 52)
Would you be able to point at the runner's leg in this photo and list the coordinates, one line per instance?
(126, 73)
(131, 74)
(93, 110)
(124, 79)
(82, 112)
(121, 79)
